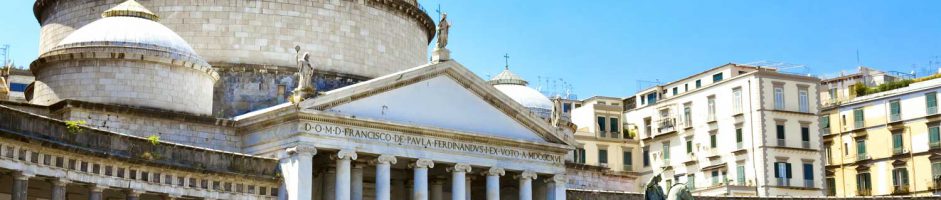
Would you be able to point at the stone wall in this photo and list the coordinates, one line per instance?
(599, 178)
(189, 132)
(362, 37)
(125, 82)
(244, 89)
(597, 195)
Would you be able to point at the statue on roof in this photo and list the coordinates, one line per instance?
(305, 72)
(443, 27)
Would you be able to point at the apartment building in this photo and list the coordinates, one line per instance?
(734, 130)
(838, 89)
(885, 143)
(605, 142)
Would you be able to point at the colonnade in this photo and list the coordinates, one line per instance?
(346, 181)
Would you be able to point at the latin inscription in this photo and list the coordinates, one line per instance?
(428, 142)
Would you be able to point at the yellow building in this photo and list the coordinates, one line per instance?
(605, 142)
(885, 143)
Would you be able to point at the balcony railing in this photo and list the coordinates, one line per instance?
(932, 110)
(825, 131)
(862, 156)
(864, 192)
(805, 144)
(934, 145)
(897, 151)
(900, 189)
(858, 124)
(784, 182)
(895, 117)
(628, 168)
(781, 142)
(808, 183)
(739, 145)
(666, 125)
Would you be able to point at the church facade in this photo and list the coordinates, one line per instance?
(166, 100)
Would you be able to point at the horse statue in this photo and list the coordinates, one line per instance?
(653, 191)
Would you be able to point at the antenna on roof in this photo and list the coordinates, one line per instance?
(857, 58)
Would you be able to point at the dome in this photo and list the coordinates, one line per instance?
(128, 25)
(515, 87)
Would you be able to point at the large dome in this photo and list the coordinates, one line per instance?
(128, 25)
(515, 87)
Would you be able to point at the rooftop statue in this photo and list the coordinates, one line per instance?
(443, 27)
(304, 74)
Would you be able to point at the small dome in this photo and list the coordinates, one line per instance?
(128, 25)
(516, 88)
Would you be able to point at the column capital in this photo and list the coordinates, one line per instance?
(558, 179)
(302, 150)
(21, 175)
(386, 159)
(423, 163)
(346, 154)
(526, 175)
(495, 171)
(97, 188)
(134, 193)
(62, 182)
(460, 167)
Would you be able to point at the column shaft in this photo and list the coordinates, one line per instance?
(420, 179)
(493, 187)
(459, 181)
(343, 184)
(384, 177)
(357, 182)
(297, 168)
(95, 193)
(20, 186)
(526, 185)
(559, 182)
(58, 189)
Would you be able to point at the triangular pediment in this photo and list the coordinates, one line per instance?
(441, 96)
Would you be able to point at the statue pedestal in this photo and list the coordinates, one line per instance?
(300, 94)
(440, 54)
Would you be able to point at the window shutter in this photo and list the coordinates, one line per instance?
(933, 134)
(787, 167)
(777, 170)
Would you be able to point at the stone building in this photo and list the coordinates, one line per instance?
(604, 143)
(126, 105)
(732, 130)
(885, 143)
(839, 89)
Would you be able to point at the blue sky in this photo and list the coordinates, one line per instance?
(606, 47)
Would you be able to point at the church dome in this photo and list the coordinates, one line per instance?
(516, 88)
(131, 25)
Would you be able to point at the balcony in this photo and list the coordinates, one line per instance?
(784, 181)
(739, 145)
(900, 190)
(805, 144)
(782, 143)
(825, 131)
(862, 156)
(932, 110)
(899, 151)
(864, 192)
(627, 168)
(858, 124)
(894, 117)
(934, 145)
(666, 125)
(808, 183)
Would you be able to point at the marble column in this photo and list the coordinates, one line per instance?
(459, 181)
(95, 192)
(383, 177)
(329, 184)
(20, 185)
(58, 188)
(526, 185)
(557, 186)
(134, 194)
(356, 187)
(437, 188)
(420, 179)
(297, 168)
(493, 182)
(344, 160)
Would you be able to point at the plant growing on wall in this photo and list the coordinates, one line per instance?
(154, 139)
(74, 126)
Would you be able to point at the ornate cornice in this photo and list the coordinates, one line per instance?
(140, 53)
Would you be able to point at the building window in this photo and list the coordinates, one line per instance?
(895, 110)
(666, 151)
(737, 100)
(614, 127)
(936, 173)
(652, 98)
(717, 77)
(689, 146)
(603, 156)
(602, 126)
(628, 161)
(676, 91)
(579, 156)
(831, 186)
(825, 124)
(805, 137)
(566, 107)
(808, 175)
(688, 114)
(715, 177)
(686, 87)
(646, 157)
(691, 181)
(931, 102)
(780, 132)
(863, 184)
(647, 127)
(740, 172)
(712, 108)
(782, 171)
(858, 118)
(897, 144)
(698, 84)
(861, 150)
(712, 141)
(738, 138)
(934, 137)
(900, 180)
(803, 100)
(778, 98)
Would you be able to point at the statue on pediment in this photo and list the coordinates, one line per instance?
(305, 72)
